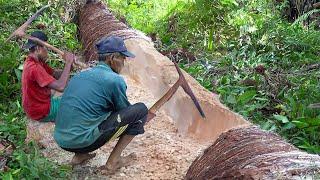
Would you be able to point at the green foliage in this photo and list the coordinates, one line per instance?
(198, 25)
(142, 14)
(305, 16)
(285, 91)
(12, 124)
(26, 162)
(232, 40)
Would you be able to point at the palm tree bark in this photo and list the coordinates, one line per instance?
(251, 153)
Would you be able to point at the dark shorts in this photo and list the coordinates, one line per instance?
(134, 116)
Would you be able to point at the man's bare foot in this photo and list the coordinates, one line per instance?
(124, 161)
(80, 158)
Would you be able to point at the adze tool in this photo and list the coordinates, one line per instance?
(20, 32)
(180, 82)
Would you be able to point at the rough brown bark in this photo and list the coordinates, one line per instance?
(95, 22)
(316, 5)
(251, 153)
(298, 8)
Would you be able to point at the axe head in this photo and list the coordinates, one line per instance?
(20, 32)
(184, 84)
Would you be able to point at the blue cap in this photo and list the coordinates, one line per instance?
(113, 44)
(38, 34)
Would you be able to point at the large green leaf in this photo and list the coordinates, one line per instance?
(288, 126)
(231, 99)
(281, 118)
(18, 74)
(7, 176)
(310, 121)
(246, 96)
(300, 124)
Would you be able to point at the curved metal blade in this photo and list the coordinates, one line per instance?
(184, 84)
(23, 27)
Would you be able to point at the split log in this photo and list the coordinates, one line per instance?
(251, 153)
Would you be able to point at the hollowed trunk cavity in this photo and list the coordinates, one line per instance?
(157, 73)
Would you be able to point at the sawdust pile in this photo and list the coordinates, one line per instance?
(162, 152)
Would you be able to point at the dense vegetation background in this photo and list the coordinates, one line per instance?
(262, 57)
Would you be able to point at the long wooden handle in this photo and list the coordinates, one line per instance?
(58, 51)
(43, 43)
(165, 97)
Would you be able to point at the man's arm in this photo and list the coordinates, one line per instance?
(57, 73)
(120, 99)
(60, 84)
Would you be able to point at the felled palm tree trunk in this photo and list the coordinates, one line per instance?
(251, 153)
(242, 152)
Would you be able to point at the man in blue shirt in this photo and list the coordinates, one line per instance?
(94, 108)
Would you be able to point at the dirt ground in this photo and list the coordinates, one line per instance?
(163, 152)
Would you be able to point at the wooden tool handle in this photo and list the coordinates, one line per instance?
(165, 98)
(58, 51)
(43, 43)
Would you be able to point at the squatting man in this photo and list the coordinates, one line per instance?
(94, 109)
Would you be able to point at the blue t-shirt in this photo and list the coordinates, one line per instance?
(90, 97)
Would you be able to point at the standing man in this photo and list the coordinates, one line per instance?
(95, 109)
(38, 80)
